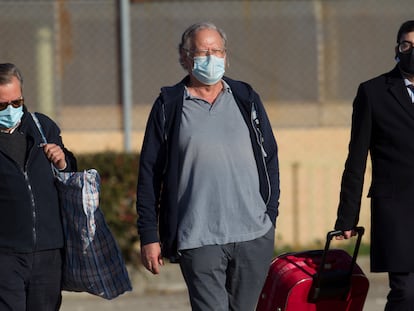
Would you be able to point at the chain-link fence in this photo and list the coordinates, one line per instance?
(305, 58)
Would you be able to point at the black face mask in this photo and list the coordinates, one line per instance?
(407, 62)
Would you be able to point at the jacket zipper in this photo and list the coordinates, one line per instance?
(165, 136)
(259, 138)
(32, 201)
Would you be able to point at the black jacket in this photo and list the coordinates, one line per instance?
(383, 125)
(158, 170)
(29, 207)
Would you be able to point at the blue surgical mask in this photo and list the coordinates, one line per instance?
(10, 116)
(208, 69)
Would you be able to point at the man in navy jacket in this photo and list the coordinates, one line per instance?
(383, 124)
(208, 186)
(31, 236)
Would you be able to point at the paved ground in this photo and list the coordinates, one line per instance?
(129, 302)
(167, 292)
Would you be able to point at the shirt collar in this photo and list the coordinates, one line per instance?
(409, 86)
(226, 88)
(407, 82)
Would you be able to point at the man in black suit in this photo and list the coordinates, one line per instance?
(383, 124)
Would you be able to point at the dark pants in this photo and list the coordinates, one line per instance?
(30, 282)
(401, 295)
(227, 277)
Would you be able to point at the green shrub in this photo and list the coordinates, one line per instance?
(118, 173)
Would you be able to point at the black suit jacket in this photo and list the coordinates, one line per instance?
(383, 125)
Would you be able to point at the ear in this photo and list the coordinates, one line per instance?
(396, 54)
(184, 60)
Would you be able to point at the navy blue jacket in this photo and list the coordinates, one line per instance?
(157, 188)
(29, 207)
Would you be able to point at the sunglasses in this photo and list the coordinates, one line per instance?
(15, 103)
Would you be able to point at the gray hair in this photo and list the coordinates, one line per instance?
(7, 72)
(188, 35)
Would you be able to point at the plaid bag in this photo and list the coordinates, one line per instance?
(92, 261)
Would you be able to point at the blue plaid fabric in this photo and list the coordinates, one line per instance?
(92, 262)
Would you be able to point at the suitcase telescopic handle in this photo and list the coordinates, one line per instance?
(331, 234)
(316, 289)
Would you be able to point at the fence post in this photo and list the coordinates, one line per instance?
(295, 203)
(126, 84)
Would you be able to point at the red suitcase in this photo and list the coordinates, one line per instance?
(319, 280)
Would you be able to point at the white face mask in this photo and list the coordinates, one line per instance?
(208, 69)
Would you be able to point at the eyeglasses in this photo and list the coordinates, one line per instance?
(15, 103)
(405, 47)
(215, 52)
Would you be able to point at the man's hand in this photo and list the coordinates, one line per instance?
(55, 155)
(151, 257)
(347, 234)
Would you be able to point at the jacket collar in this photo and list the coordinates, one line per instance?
(399, 91)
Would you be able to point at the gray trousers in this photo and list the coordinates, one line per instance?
(227, 277)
